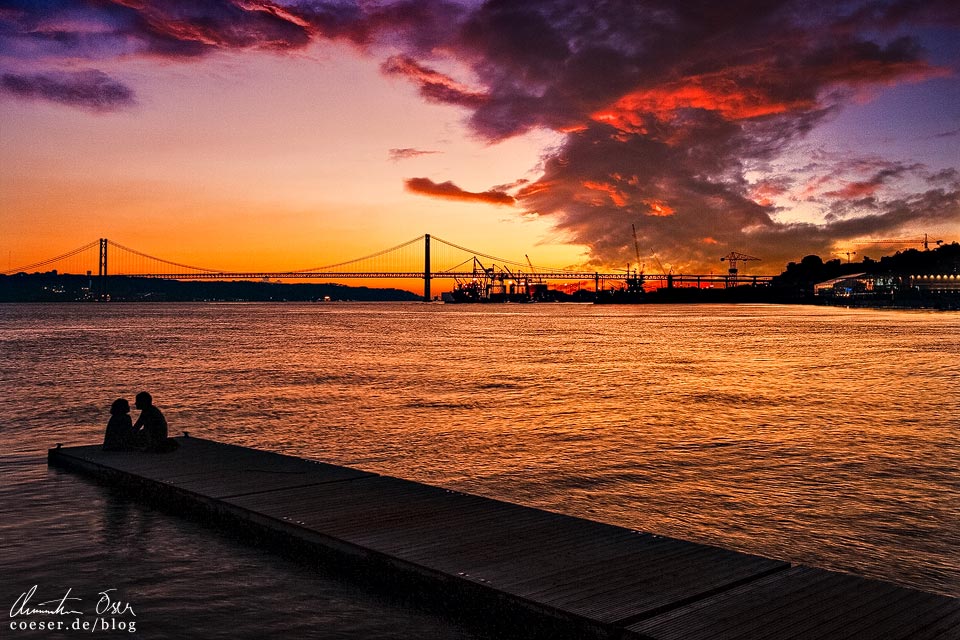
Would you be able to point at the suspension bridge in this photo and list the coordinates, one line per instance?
(425, 258)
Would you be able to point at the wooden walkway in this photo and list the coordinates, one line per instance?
(585, 577)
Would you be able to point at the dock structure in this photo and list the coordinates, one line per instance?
(543, 574)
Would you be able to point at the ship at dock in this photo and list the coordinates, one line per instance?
(632, 293)
(499, 284)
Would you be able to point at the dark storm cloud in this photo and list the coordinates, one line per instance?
(92, 90)
(159, 27)
(917, 209)
(181, 28)
(59, 32)
(418, 27)
(685, 200)
(889, 14)
(666, 107)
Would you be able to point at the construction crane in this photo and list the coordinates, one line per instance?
(635, 283)
(925, 241)
(532, 270)
(660, 265)
(734, 259)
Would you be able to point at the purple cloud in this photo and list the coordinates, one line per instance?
(92, 90)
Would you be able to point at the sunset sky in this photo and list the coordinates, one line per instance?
(249, 134)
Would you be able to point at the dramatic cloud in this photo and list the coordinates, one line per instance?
(91, 90)
(407, 153)
(450, 191)
(667, 107)
(168, 28)
(672, 112)
(434, 86)
(869, 187)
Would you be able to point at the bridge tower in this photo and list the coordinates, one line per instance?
(426, 268)
(102, 270)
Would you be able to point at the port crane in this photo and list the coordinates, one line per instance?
(497, 282)
(636, 282)
(533, 272)
(734, 259)
(667, 273)
(925, 242)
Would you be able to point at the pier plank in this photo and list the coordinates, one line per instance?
(420, 524)
(805, 603)
(619, 582)
(946, 627)
(214, 469)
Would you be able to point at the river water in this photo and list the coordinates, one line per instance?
(822, 436)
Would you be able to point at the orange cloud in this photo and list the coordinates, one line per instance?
(616, 196)
(811, 188)
(855, 190)
(764, 192)
(536, 188)
(725, 93)
(450, 191)
(659, 208)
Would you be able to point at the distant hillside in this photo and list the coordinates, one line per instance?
(812, 269)
(53, 287)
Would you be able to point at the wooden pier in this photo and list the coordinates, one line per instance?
(547, 574)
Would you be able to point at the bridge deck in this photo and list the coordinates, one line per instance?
(554, 571)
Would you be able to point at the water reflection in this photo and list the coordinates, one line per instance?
(822, 436)
(181, 578)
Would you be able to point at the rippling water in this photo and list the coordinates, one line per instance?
(822, 436)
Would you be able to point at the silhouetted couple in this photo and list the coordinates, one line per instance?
(148, 434)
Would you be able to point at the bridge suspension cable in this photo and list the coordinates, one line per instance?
(477, 253)
(372, 256)
(69, 254)
(456, 266)
(161, 260)
(513, 263)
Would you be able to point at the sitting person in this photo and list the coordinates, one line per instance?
(151, 426)
(119, 435)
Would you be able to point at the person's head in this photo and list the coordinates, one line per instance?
(143, 400)
(119, 407)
